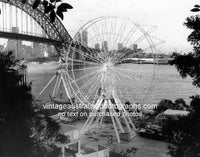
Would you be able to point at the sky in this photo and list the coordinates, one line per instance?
(167, 15)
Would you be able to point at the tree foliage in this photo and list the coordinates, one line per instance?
(183, 134)
(189, 64)
(164, 105)
(23, 132)
(53, 8)
(196, 8)
(13, 95)
(15, 109)
(178, 104)
(45, 135)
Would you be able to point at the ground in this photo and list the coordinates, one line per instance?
(145, 147)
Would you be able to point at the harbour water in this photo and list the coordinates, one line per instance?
(167, 83)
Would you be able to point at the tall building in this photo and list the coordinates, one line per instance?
(51, 50)
(27, 51)
(15, 45)
(78, 37)
(119, 46)
(105, 46)
(134, 47)
(36, 49)
(97, 46)
(85, 38)
(78, 40)
(35, 45)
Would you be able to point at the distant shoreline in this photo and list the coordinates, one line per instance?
(164, 61)
(133, 61)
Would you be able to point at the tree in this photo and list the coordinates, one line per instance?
(15, 108)
(183, 133)
(174, 54)
(45, 135)
(53, 8)
(189, 64)
(180, 104)
(23, 132)
(164, 105)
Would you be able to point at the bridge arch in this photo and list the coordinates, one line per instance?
(55, 31)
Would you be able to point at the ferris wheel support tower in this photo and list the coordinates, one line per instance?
(107, 104)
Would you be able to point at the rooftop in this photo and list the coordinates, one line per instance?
(171, 112)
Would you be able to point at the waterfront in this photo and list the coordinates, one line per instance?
(167, 83)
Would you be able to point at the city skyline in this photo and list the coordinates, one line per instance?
(101, 82)
(170, 24)
(28, 51)
(80, 37)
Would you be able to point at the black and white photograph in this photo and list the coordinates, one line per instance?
(99, 78)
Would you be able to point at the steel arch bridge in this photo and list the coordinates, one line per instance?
(56, 33)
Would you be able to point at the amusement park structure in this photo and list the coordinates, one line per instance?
(95, 76)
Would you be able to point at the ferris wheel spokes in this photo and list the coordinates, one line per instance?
(109, 68)
(88, 55)
(84, 76)
(88, 81)
(83, 62)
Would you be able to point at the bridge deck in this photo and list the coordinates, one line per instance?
(25, 37)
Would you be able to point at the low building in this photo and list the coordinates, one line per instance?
(170, 113)
(73, 146)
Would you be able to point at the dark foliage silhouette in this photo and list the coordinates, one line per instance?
(183, 134)
(178, 104)
(15, 109)
(53, 8)
(23, 132)
(189, 64)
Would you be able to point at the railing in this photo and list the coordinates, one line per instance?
(102, 152)
(23, 71)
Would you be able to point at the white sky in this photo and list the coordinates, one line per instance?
(168, 15)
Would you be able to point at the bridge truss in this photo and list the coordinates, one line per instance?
(16, 14)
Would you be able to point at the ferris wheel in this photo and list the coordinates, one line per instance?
(107, 66)
(107, 55)
(110, 61)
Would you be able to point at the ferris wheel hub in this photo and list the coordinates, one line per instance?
(107, 65)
